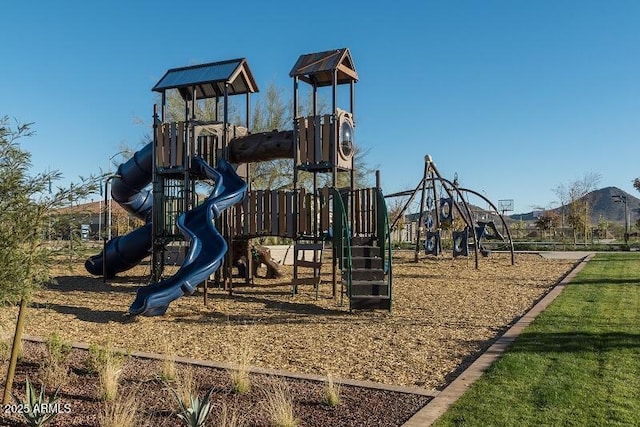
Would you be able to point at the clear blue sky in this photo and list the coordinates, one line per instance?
(517, 97)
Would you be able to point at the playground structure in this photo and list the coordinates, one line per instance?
(186, 153)
(442, 202)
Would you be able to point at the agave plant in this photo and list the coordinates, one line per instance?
(196, 414)
(35, 408)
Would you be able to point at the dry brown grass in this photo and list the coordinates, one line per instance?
(278, 404)
(230, 416)
(109, 374)
(242, 356)
(109, 382)
(121, 412)
(168, 372)
(54, 370)
(6, 340)
(331, 392)
(186, 385)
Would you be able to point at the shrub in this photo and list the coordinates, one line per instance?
(99, 356)
(5, 348)
(37, 410)
(194, 414)
(239, 376)
(121, 412)
(54, 369)
(185, 385)
(109, 364)
(331, 392)
(109, 381)
(229, 417)
(168, 363)
(279, 405)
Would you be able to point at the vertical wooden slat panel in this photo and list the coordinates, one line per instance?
(245, 214)
(302, 212)
(162, 148)
(158, 147)
(204, 147)
(166, 144)
(310, 209)
(265, 212)
(259, 211)
(302, 133)
(275, 213)
(266, 203)
(283, 214)
(311, 133)
(289, 217)
(171, 148)
(326, 138)
(181, 144)
(317, 140)
(324, 216)
(210, 149)
(252, 213)
(311, 216)
(238, 218)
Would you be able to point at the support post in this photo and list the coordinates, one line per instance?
(15, 349)
(421, 215)
(106, 224)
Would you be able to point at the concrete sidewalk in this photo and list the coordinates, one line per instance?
(565, 254)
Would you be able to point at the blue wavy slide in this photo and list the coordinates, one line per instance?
(207, 246)
(129, 190)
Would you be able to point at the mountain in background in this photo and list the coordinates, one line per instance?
(601, 205)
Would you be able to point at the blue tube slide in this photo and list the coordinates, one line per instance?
(207, 246)
(128, 188)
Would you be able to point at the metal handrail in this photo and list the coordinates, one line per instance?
(342, 238)
(384, 240)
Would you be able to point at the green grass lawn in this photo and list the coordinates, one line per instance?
(578, 364)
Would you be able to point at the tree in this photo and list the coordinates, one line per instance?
(26, 203)
(574, 194)
(603, 227)
(396, 215)
(272, 113)
(547, 221)
(518, 227)
(205, 108)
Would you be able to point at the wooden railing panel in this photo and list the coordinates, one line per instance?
(326, 138)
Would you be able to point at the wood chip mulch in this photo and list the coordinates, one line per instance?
(445, 313)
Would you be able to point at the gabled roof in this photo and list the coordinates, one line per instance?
(319, 67)
(209, 79)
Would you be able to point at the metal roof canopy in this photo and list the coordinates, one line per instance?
(209, 80)
(319, 67)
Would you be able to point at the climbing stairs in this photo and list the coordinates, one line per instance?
(362, 249)
(369, 288)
